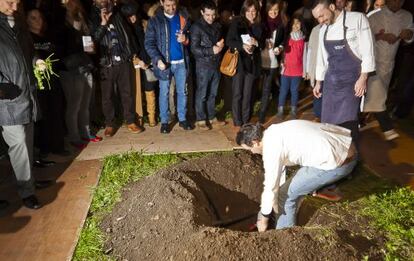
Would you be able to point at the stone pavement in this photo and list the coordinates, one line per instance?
(51, 233)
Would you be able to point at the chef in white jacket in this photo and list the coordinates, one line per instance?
(390, 26)
(345, 57)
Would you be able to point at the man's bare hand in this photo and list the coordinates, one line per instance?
(220, 43)
(161, 65)
(105, 16)
(361, 85)
(181, 37)
(406, 34)
(262, 222)
(317, 90)
(387, 37)
(41, 64)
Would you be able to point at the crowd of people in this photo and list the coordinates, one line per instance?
(177, 48)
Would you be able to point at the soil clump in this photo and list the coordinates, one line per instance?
(203, 209)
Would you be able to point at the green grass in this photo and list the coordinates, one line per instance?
(393, 213)
(118, 171)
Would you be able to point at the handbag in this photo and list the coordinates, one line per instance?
(228, 65)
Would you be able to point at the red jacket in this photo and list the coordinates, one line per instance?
(294, 57)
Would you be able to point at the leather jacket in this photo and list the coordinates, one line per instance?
(102, 38)
(203, 37)
(16, 69)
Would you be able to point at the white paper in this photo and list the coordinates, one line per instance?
(87, 44)
(245, 38)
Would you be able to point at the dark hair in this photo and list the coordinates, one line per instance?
(248, 133)
(246, 5)
(207, 4)
(323, 2)
(129, 9)
(302, 26)
(282, 10)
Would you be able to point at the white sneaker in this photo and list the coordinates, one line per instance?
(369, 125)
(391, 134)
(202, 125)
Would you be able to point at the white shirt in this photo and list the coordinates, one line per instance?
(393, 23)
(299, 142)
(359, 38)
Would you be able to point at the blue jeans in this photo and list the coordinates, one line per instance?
(289, 83)
(305, 181)
(207, 85)
(180, 74)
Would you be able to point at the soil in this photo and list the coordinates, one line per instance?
(203, 209)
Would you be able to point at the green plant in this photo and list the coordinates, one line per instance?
(393, 212)
(43, 72)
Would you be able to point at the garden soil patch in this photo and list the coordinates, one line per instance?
(202, 209)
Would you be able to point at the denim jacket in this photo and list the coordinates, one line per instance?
(157, 42)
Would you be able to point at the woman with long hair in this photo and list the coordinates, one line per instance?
(76, 77)
(274, 23)
(245, 36)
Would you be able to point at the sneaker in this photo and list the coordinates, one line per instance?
(93, 139)
(78, 145)
(327, 194)
(185, 125)
(202, 125)
(391, 134)
(165, 129)
(367, 121)
(216, 122)
(134, 128)
(109, 131)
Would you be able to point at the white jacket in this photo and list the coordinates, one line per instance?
(359, 38)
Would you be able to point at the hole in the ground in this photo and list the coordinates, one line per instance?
(226, 208)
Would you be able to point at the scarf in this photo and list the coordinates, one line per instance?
(272, 24)
(297, 35)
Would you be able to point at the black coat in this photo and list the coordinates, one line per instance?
(16, 71)
(203, 37)
(248, 63)
(102, 38)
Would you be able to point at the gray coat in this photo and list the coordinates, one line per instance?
(16, 55)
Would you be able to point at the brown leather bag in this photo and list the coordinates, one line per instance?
(228, 65)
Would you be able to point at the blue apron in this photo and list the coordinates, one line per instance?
(339, 103)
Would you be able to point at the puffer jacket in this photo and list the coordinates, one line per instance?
(102, 38)
(203, 38)
(157, 42)
(16, 67)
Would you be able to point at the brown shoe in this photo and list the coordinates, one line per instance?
(135, 128)
(109, 132)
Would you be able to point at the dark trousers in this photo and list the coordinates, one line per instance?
(268, 79)
(206, 92)
(242, 94)
(49, 130)
(353, 127)
(119, 75)
(317, 107)
(384, 120)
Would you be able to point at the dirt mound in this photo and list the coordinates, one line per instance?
(202, 209)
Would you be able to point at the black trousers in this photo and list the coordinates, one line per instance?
(353, 127)
(384, 120)
(242, 95)
(119, 76)
(268, 79)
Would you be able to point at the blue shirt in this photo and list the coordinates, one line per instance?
(176, 52)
